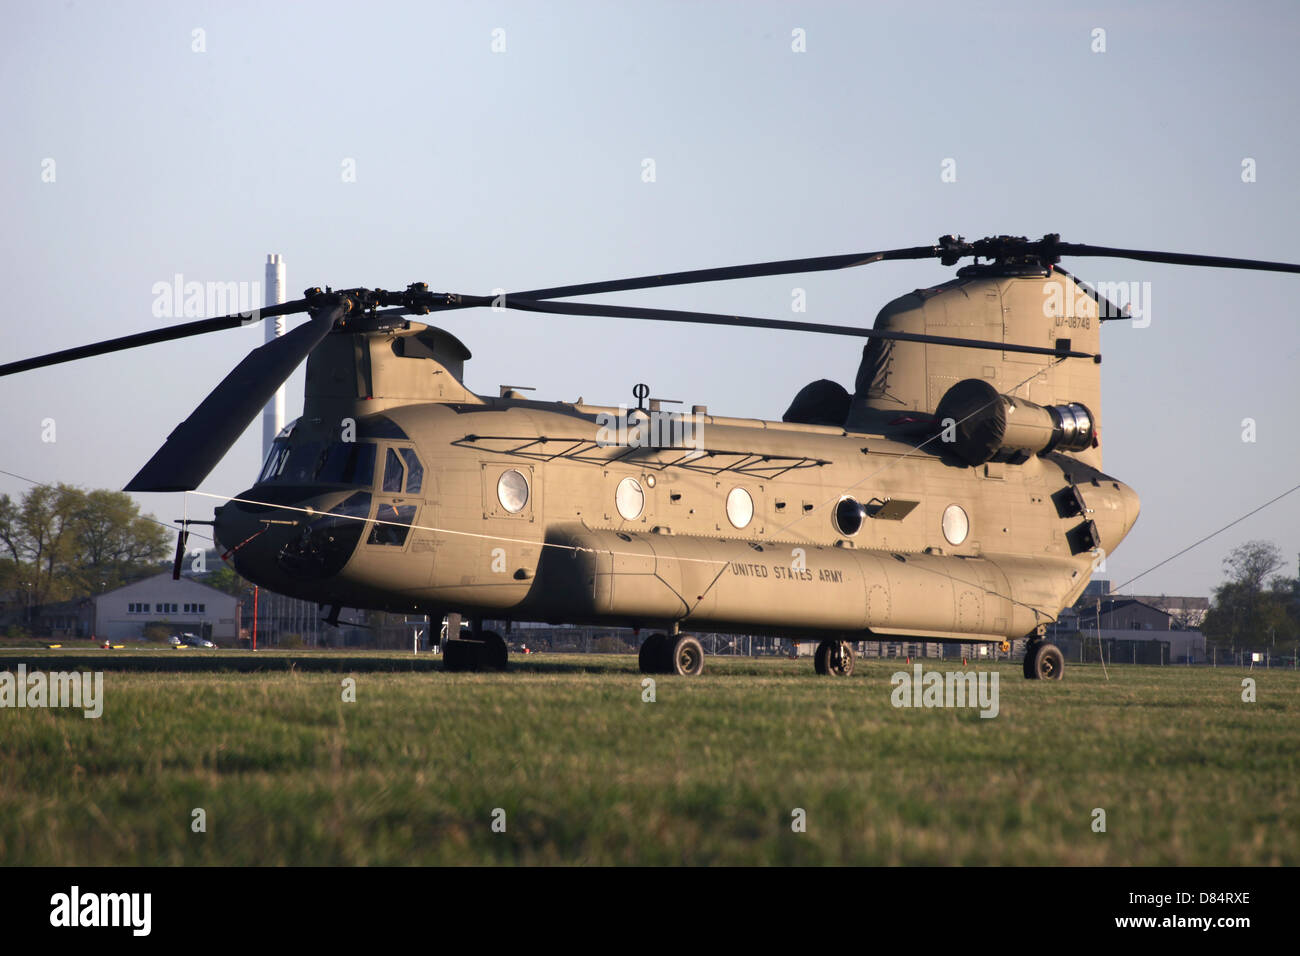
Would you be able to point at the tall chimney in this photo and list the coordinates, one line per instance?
(273, 414)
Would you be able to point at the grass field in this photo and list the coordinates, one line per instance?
(586, 772)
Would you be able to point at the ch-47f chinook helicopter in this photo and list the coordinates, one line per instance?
(956, 495)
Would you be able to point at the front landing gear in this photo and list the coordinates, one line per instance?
(834, 658)
(665, 654)
(1043, 661)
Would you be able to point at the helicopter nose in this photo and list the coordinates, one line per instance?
(287, 541)
(246, 534)
(231, 525)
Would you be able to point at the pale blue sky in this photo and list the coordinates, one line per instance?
(522, 169)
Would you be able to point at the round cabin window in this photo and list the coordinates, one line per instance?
(512, 491)
(740, 507)
(629, 498)
(955, 524)
(848, 516)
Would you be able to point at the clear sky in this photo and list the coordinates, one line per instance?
(477, 169)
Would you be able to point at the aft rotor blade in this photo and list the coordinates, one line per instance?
(198, 443)
(1107, 311)
(1173, 258)
(745, 321)
(778, 268)
(201, 327)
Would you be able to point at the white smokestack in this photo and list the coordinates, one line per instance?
(273, 414)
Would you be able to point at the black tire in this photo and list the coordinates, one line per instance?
(1044, 661)
(685, 657)
(653, 656)
(459, 656)
(492, 652)
(834, 659)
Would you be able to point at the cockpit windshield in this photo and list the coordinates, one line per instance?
(274, 460)
(348, 463)
(339, 463)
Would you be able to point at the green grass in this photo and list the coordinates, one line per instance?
(708, 774)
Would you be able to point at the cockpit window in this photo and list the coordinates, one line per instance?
(274, 460)
(392, 472)
(303, 462)
(414, 471)
(348, 463)
(392, 522)
(339, 463)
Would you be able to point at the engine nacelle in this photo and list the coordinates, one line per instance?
(988, 425)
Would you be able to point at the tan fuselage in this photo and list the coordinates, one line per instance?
(569, 555)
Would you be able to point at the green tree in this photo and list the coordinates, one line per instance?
(37, 534)
(113, 542)
(61, 541)
(1254, 605)
(225, 578)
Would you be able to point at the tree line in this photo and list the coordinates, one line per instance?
(60, 542)
(1255, 605)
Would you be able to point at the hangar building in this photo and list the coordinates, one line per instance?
(183, 605)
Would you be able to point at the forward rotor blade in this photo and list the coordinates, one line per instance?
(711, 318)
(1173, 258)
(201, 327)
(782, 267)
(198, 443)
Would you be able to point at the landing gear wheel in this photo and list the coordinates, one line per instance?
(653, 657)
(460, 655)
(1044, 661)
(834, 658)
(492, 653)
(685, 656)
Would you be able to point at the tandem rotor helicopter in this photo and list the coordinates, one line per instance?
(955, 495)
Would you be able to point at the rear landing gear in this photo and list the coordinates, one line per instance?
(1043, 661)
(664, 654)
(834, 658)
